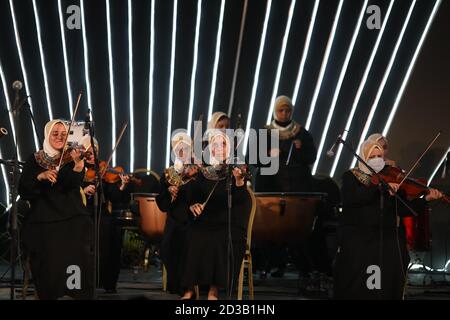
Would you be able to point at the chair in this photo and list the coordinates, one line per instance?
(247, 261)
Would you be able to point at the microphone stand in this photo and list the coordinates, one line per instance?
(382, 186)
(13, 186)
(24, 102)
(98, 201)
(230, 261)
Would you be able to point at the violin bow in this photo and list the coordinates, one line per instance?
(122, 131)
(420, 158)
(70, 127)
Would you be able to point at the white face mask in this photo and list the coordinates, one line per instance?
(377, 164)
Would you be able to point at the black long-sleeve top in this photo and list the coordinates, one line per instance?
(48, 202)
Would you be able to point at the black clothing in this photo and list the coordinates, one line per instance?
(174, 236)
(207, 236)
(296, 175)
(359, 243)
(57, 232)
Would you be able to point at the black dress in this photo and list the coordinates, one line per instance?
(207, 237)
(174, 236)
(57, 232)
(359, 243)
(109, 238)
(296, 175)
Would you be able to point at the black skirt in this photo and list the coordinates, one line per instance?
(56, 249)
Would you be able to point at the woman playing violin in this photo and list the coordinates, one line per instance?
(172, 199)
(372, 258)
(58, 231)
(207, 237)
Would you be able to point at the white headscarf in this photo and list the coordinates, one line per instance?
(86, 142)
(215, 118)
(377, 137)
(280, 102)
(48, 149)
(214, 135)
(365, 151)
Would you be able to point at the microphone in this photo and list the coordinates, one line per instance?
(3, 132)
(332, 151)
(17, 86)
(87, 121)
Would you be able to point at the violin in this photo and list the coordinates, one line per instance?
(110, 174)
(411, 188)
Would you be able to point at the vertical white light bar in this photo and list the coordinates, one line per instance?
(385, 78)
(362, 84)
(130, 83)
(111, 80)
(256, 78)
(24, 70)
(150, 84)
(172, 74)
(86, 54)
(410, 68)
(337, 90)
(8, 104)
(304, 56)
(216, 60)
(444, 158)
(281, 59)
(194, 65)
(324, 64)
(66, 64)
(41, 54)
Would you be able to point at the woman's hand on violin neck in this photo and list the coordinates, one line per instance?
(197, 209)
(239, 176)
(125, 181)
(50, 175)
(89, 190)
(433, 195)
(173, 190)
(394, 188)
(79, 162)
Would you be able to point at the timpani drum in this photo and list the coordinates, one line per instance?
(285, 218)
(152, 220)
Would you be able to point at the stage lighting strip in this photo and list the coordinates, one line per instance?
(172, 71)
(304, 56)
(281, 59)
(86, 54)
(130, 83)
(411, 67)
(361, 87)
(8, 103)
(24, 71)
(111, 79)
(324, 65)
(444, 158)
(66, 64)
(385, 78)
(194, 65)
(256, 78)
(150, 84)
(337, 90)
(42, 57)
(216, 60)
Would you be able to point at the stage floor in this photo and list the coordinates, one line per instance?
(139, 284)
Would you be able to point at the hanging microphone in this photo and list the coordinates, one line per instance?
(17, 85)
(332, 151)
(87, 121)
